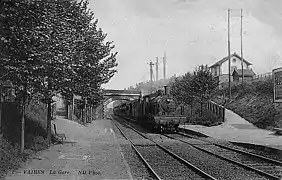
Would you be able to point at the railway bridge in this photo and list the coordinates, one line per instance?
(119, 95)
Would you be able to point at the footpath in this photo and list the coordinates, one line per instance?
(237, 129)
(90, 152)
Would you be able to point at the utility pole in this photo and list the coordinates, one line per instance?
(242, 46)
(157, 70)
(151, 74)
(164, 63)
(229, 63)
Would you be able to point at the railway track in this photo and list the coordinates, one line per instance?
(215, 167)
(161, 162)
(264, 166)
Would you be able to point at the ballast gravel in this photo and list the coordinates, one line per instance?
(166, 166)
(137, 167)
(212, 165)
(271, 155)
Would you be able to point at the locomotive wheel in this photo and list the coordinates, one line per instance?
(162, 129)
(176, 129)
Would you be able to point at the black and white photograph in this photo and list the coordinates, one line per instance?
(140, 90)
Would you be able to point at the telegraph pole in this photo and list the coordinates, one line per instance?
(157, 70)
(151, 74)
(229, 68)
(164, 63)
(242, 46)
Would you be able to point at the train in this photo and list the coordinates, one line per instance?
(158, 111)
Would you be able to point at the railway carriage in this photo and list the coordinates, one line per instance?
(156, 111)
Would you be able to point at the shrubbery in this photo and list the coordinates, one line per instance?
(254, 102)
(206, 119)
(35, 132)
(264, 87)
(10, 157)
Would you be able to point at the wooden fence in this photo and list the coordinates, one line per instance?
(263, 76)
(218, 110)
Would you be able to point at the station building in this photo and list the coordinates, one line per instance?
(220, 69)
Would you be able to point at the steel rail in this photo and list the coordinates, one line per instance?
(175, 155)
(139, 154)
(229, 160)
(237, 150)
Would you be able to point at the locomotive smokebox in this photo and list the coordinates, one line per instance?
(166, 90)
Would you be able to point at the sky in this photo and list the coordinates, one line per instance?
(191, 32)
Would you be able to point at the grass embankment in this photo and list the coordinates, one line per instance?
(35, 129)
(195, 118)
(254, 102)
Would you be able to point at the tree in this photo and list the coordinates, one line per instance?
(54, 46)
(182, 91)
(17, 38)
(203, 84)
(93, 62)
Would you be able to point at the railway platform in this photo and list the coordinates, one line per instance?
(237, 129)
(89, 152)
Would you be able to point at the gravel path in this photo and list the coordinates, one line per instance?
(95, 152)
(216, 167)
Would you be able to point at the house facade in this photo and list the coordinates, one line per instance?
(220, 69)
(237, 75)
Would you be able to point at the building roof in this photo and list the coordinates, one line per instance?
(247, 72)
(218, 63)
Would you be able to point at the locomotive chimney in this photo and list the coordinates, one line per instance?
(166, 90)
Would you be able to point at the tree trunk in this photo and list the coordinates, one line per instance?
(49, 111)
(23, 119)
(1, 93)
(85, 112)
(191, 108)
(67, 109)
(49, 121)
(90, 108)
(201, 109)
(22, 125)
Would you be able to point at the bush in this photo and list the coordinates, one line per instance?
(207, 119)
(254, 102)
(266, 119)
(264, 87)
(10, 157)
(39, 143)
(35, 123)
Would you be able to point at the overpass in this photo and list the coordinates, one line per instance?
(114, 94)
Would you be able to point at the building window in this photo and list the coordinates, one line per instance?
(233, 60)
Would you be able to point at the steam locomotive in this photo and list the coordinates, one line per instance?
(157, 111)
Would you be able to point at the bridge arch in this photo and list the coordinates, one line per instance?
(114, 95)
